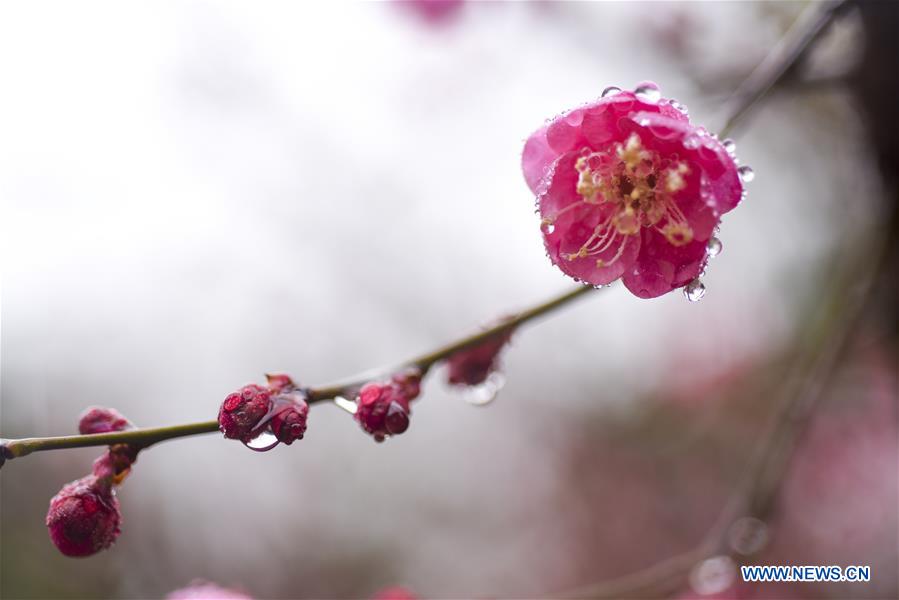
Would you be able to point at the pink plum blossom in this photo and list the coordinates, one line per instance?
(628, 188)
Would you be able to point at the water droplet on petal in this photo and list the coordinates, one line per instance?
(730, 146)
(486, 392)
(713, 575)
(746, 173)
(694, 291)
(397, 419)
(610, 91)
(263, 442)
(548, 227)
(714, 247)
(748, 535)
(692, 142)
(345, 404)
(648, 92)
(679, 107)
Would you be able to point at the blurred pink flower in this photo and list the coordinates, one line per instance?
(840, 497)
(433, 12)
(203, 590)
(628, 188)
(395, 593)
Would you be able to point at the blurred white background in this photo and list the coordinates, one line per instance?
(195, 193)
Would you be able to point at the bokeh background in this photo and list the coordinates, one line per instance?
(196, 193)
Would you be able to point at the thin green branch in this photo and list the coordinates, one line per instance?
(426, 361)
(144, 437)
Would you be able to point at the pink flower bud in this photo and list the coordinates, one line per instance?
(242, 412)
(279, 382)
(97, 419)
(289, 420)
(382, 408)
(628, 188)
(84, 517)
(472, 365)
(409, 381)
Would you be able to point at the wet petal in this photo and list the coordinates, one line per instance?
(536, 159)
(719, 182)
(662, 267)
(573, 229)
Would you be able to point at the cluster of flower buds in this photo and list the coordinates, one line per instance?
(84, 517)
(278, 409)
(382, 407)
(277, 412)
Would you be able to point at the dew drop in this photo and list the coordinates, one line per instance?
(730, 146)
(548, 228)
(397, 419)
(748, 535)
(610, 91)
(713, 575)
(694, 291)
(692, 142)
(648, 92)
(264, 442)
(486, 392)
(714, 247)
(746, 173)
(345, 404)
(679, 107)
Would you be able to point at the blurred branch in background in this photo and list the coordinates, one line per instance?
(783, 60)
(862, 285)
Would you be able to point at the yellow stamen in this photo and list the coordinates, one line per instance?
(626, 221)
(677, 233)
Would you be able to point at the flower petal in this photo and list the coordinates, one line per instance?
(559, 187)
(662, 267)
(720, 185)
(573, 229)
(536, 158)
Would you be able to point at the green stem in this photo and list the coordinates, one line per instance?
(426, 361)
(140, 438)
(144, 437)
